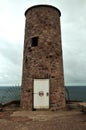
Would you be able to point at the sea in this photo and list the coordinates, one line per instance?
(72, 93)
(9, 93)
(75, 93)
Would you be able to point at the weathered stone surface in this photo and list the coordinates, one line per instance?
(43, 61)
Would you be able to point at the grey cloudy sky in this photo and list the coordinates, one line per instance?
(73, 27)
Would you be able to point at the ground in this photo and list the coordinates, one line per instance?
(42, 120)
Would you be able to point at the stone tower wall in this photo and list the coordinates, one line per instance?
(43, 61)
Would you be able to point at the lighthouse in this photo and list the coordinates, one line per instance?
(42, 77)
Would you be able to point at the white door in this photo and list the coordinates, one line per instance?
(41, 94)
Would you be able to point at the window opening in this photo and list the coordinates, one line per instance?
(34, 41)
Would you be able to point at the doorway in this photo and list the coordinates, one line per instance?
(41, 94)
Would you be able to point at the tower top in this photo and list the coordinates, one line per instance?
(36, 6)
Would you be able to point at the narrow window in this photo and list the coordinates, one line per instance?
(34, 41)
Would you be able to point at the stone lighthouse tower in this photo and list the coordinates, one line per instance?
(42, 80)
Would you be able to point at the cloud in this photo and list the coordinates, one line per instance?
(74, 41)
(73, 28)
(12, 52)
(11, 42)
(10, 63)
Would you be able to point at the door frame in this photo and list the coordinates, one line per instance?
(33, 94)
